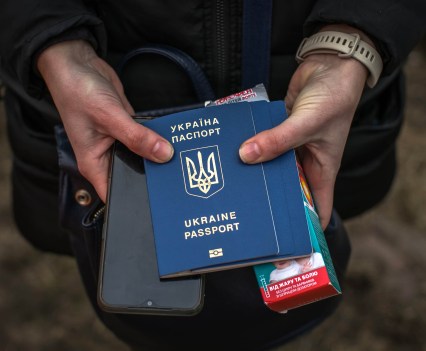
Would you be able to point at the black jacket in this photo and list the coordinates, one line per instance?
(206, 30)
(210, 32)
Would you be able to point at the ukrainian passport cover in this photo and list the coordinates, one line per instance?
(210, 211)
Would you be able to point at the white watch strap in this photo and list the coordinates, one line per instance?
(345, 45)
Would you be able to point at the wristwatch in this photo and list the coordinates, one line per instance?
(344, 45)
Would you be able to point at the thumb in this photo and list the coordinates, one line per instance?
(319, 180)
(272, 143)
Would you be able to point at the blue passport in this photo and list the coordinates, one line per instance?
(286, 198)
(210, 211)
(287, 201)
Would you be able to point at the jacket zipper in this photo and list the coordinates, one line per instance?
(98, 213)
(221, 48)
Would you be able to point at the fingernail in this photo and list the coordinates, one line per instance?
(249, 152)
(163, 151)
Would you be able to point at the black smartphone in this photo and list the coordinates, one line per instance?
(128, 277)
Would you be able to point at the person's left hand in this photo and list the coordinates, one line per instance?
(321, 100)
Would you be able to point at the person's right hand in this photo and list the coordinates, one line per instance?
(94, 110)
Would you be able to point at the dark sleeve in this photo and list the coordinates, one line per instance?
(395, 26)
(27, 26)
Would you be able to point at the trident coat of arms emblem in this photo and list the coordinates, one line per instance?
(202, 171)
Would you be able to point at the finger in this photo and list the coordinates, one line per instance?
(271, 143)
(324, 203)
(95, 170)
(100, 183)
(320, 177)
(142, 140)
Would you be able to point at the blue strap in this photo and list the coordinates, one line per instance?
(199, 80)
(257, 19)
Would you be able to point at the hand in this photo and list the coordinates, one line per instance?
(321, 100)
(305, 264)
(94, 110)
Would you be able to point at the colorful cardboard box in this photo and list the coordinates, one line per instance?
(292, 283)
(300, 281)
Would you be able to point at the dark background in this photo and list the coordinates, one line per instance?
(43, 306)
